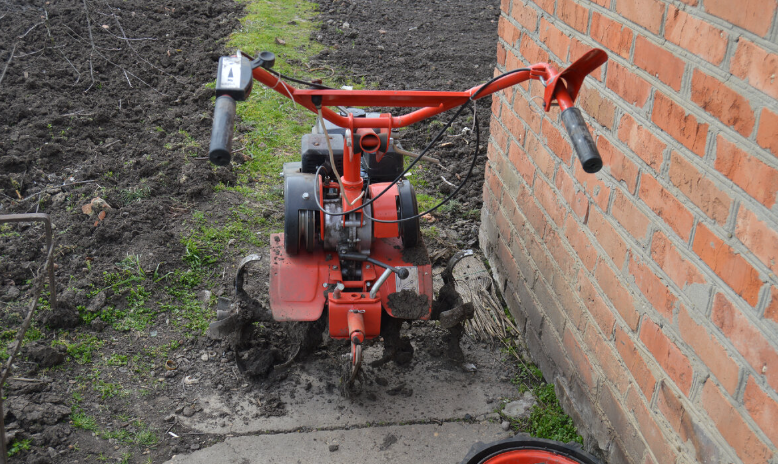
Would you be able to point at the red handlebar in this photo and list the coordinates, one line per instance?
(433, 102)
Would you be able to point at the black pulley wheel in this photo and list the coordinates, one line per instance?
(408, 207)
(524, 449)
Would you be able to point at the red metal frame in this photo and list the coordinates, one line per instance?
(297, 282)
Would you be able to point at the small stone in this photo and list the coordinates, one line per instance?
(195, 446)
(334, 448)
(179, 409)
(188, 411)
(170, 418)
(468, 417)
(505, 425)
(204, 357)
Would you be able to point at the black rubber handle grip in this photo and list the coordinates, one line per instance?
(582, 140)
(221, 133)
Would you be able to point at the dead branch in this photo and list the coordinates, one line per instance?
(7, 63)
(92, 42)
(39, 281)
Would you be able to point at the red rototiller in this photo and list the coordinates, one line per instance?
(351, 251)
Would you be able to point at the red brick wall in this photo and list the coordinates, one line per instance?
(647, 292)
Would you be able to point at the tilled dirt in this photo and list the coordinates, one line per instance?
(107, 99)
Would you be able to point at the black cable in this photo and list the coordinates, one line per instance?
(413, 163)
(298, 81)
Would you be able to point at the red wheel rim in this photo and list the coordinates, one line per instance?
(530, 456)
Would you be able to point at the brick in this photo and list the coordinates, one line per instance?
(496, 101)
(767, 135)
(641, 141)
(699, 188)
(602, 3)
(695, 35)
(629, 216)
(653, 288)
(499, 137)
(534, 215)
(730, 266)
(579, 359)
(762, 408)
(755, 177)
(549, 201)
(513, 125)
(608, 237)
(709, 350)
(579, 49)
(635, 362)
(501, 54)
(573, 14)
(531, 51)
(505, 5)
(621, 168)
(674, 120)
(595, 187)
(580, 243)
(543, 160)
(596, 105)
(507, 31)
(647, 13)
(680, 271)
(618, 295)
(600, 312)
(753, 15)
(722, 102)
(547, 5)
(732, 427)
(667, 354)
(746, 338)
(503, 226)
(756, 66)
(760, 238)
(525, 15)
(572, 195)
(527, 114)
(556, 143)
(689, 427)
(666, 206)
(771, 311)
(618, 418)
(649, 428)
(627, 85)
(659, 62)
(521, 162)
(554, 39)
(607, 358)
(612, 34)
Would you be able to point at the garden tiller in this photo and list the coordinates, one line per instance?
(351, 250)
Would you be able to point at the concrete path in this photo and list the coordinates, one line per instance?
(428, 412)
(422, 443)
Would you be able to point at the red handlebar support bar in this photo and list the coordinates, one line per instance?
(562, 87)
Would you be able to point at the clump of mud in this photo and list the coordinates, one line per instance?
(408, 304)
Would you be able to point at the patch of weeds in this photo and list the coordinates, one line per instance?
(17, 446)
(187, 310)
(82, 421)
(117, 360)
(548, 420)
(134, 194)
(137, 433)
(82, 349)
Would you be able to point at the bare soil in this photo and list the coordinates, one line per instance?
(107, 99)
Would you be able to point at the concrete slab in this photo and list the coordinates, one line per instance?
(446, 443)
(425, 391)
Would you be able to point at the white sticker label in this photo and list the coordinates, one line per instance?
(230, 73)
(411, 282)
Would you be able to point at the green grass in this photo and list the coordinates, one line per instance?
(547, 419)
(17, 446)
(277, 123)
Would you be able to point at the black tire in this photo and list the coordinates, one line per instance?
(408, 207)
(566, 452)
